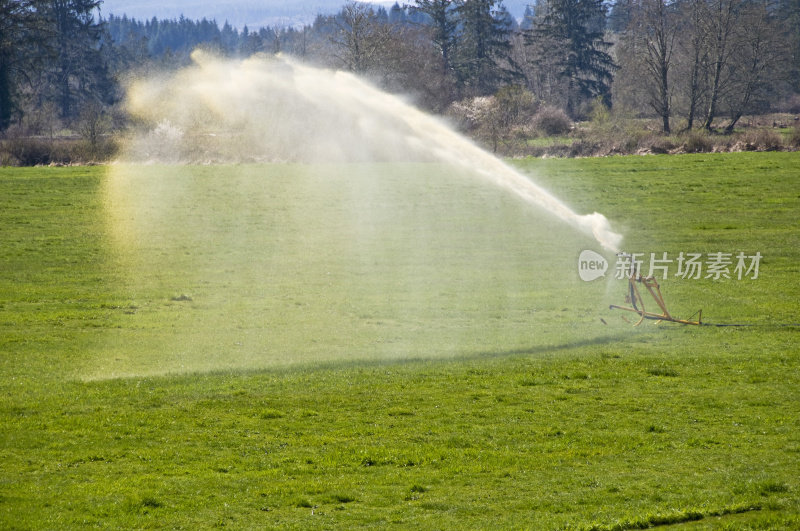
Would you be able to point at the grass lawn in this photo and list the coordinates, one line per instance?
(548, 141)
(394, 345)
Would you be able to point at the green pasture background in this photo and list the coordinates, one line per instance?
(393, 345)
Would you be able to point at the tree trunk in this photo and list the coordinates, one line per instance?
(697, 52)
(664, 89)
(729, 128)
(712, 105)
(694, 90)
(723, 21)
(5, 96)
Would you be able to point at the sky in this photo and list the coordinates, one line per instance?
(253, 13)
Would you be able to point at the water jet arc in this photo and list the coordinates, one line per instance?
(277, 109)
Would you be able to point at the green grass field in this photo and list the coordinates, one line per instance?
(393, 345)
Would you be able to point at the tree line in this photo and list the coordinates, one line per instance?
(687, 62)
(51, 59)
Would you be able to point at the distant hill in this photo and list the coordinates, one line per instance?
(252, 13)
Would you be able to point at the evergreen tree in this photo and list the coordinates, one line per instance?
(381, 16)
(582, 60)
(507, 19)
(229, 38)
(397, 14)
(19, 31)
(126, 45)
(620, 15)
(483, 61)
(78, 71)
(528, 18)
(443, 24)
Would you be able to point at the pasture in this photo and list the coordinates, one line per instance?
(394, 345)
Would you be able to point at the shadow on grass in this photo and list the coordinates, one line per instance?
(544, 349)
(366, 363)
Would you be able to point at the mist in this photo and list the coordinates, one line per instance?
(274, 110)
(264, 212)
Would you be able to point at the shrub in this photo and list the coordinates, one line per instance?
(469, 114)
(19, 150)
(698, 142)
(552, 121)
(794, 137)
(63, 152)
(515, 104)
(26, 151)
(657, 144)
(599, 113)
(583, 148)
(102, 150)
(762, 140)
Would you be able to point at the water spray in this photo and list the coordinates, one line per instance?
(278, 110)
(237, 170)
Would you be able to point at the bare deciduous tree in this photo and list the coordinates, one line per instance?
(361, 38)
(647, 51)
(92, 124)
(720, 20)
(662, 32)
(755, 72)
(692, 57)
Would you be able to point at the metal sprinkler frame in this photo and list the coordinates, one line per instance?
(634, 298)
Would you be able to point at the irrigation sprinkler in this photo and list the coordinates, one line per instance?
(634, 298)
